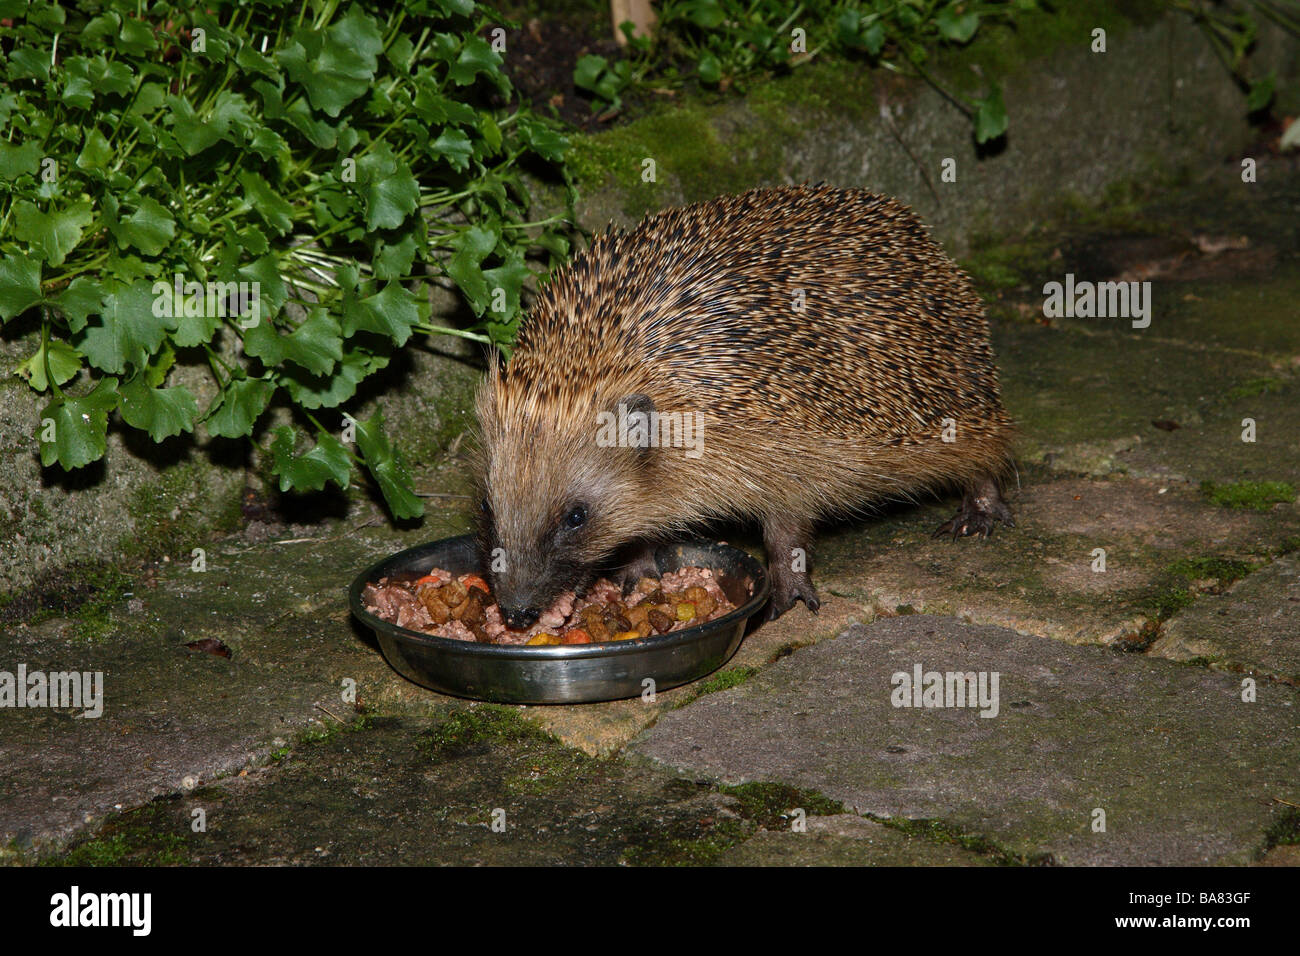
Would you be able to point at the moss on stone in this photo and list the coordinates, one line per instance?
(942, 832)
(177, 513)
(770, 804)
(697, 155)
(758, 805)
(133, 838)
(1252, 495)
(1285, 831)
(725, 679)
(472, 729)
(1222, 570)
(1253, 388)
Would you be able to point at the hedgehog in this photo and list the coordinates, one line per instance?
(788, 356)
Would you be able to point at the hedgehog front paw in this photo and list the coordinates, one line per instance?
(641, 564)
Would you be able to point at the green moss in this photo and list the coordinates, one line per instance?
(703, 849)
(1223, 570)
(476, 728)
(364, 720)
(1177, 592)
(1253, 495)
(86, 593)
(1285, 831)
(142, 837)
(1253, 388)
(939, 831)
(725, 679)
(999, 50)
(691, 149)
(999, 264)
(177, 513)
(110, 587)
(769, 804)
(758, 805)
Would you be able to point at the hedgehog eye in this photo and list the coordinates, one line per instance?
(485, 505)
(576, 517)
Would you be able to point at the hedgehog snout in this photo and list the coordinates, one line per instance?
(520, 618)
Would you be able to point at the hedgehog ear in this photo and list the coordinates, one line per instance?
(635, 415)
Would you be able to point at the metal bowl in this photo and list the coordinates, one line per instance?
(566, 674)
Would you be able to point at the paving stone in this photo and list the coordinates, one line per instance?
(1255, 626)
(604, 728)
(846, 840)
(1185, 771)
(1038, 577)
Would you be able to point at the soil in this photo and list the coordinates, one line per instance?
(542, 53)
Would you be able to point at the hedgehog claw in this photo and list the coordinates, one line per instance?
(786, 594)
(642, 564)
(980, 512)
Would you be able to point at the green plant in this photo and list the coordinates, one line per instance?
(1231, 28)
(261, 187)
(723, 42)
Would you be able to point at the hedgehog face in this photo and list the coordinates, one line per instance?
(556, 504)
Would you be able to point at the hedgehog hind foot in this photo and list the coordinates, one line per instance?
(787, 543)
(981, 509)
(788, 590)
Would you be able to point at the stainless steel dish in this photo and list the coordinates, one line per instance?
(566, 674)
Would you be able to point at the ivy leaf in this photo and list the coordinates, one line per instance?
(393, 260)
(136, 37)
(330, 391)
(17, 160)
(388, 468)
(77, 427)
(128, 330)
(476, 57)
(192, 131)
(315, 345)
(509, 278)
(20, 285)
(78, 91)
(337, 66)
(710, 69)
(97, 153)
(275, 211)
(238, 406)
(387, 187)
(453, 146)
(29, 63)
(271, 293)
(1261, 93)
(957, 27)
(150, 228)
(78, 301)
(542, 140)
(64, 361)
(53, 234)
(990, 117)
(162, 412)
(392, 312)
(328, 461)
(470, 248)
(587, 71)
